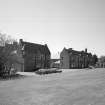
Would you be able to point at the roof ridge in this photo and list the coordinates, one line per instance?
(34, 47)
(33, 43)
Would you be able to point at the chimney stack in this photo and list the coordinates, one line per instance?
(86, 50)
(21, 40)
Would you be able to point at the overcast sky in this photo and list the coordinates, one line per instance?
(78, 24)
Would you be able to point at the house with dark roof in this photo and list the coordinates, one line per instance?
(72, 59)
(35, 56)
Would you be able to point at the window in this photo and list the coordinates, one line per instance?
(62, 58)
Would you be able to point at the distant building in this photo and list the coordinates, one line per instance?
(72, 59)
(101, 62)
(34, 56)
(100, 65)
(55, 63)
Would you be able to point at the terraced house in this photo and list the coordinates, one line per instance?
(34, 56)
(70, 58)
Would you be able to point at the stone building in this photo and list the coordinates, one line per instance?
(55, 63)
(72, 59)
(100, 65)
(101, 62)
(34, 56)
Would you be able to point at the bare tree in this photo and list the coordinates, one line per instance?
(6, 39)
(7, 46)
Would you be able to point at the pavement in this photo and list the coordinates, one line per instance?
(26, 73)
(63, 70)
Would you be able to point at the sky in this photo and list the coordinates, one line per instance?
(76, 24)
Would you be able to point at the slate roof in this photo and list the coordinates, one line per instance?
(70, 50)
(35, 48)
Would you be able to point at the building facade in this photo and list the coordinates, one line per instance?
(35, 56)
(55, 63)
(101, 62)
(72, 59)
